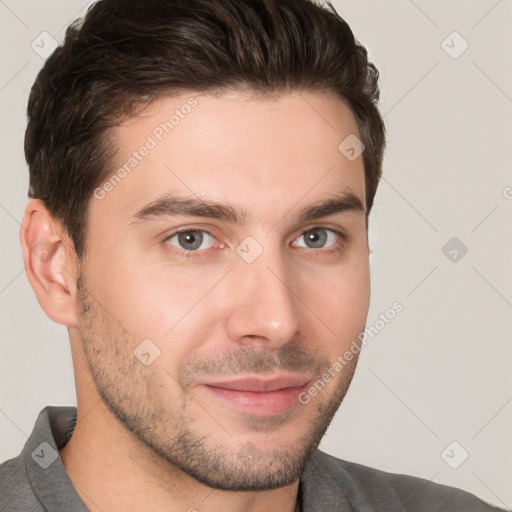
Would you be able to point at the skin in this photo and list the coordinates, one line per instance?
(152, 437)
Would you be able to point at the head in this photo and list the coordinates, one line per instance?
(201, 175)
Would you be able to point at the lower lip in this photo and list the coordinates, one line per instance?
(270, 403)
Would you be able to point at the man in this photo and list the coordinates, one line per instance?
(201, 177)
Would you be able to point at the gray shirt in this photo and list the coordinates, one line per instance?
(37, 481)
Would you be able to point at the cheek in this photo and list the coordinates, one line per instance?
(167, 307)
(339, 303)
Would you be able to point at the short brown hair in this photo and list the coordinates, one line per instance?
(126, 53)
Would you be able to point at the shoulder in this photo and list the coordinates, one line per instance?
(391, 491)
(15, 490)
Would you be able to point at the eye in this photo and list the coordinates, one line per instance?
(318, 238)
(191, 240)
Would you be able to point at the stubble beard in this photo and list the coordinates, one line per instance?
(130, 391)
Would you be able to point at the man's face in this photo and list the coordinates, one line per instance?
(202, 343)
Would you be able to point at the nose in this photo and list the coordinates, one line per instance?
(264, 305)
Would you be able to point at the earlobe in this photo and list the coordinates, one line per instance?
(46, 255)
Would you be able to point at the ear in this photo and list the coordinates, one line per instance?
(50, 263)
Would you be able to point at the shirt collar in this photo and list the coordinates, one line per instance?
(45, 469)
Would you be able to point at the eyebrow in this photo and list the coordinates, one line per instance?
(171, 205)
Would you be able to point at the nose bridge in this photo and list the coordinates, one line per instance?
(264, 305)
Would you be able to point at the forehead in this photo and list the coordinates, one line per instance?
(262, 153)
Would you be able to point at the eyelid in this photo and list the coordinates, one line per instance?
(185, 229)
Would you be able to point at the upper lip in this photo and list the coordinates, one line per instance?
(260, 384)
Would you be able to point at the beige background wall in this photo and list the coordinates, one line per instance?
(439, 372)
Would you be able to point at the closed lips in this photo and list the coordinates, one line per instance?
(260, 385)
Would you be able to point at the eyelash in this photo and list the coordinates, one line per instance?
(336, 248)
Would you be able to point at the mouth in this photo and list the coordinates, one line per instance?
(259, 396)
